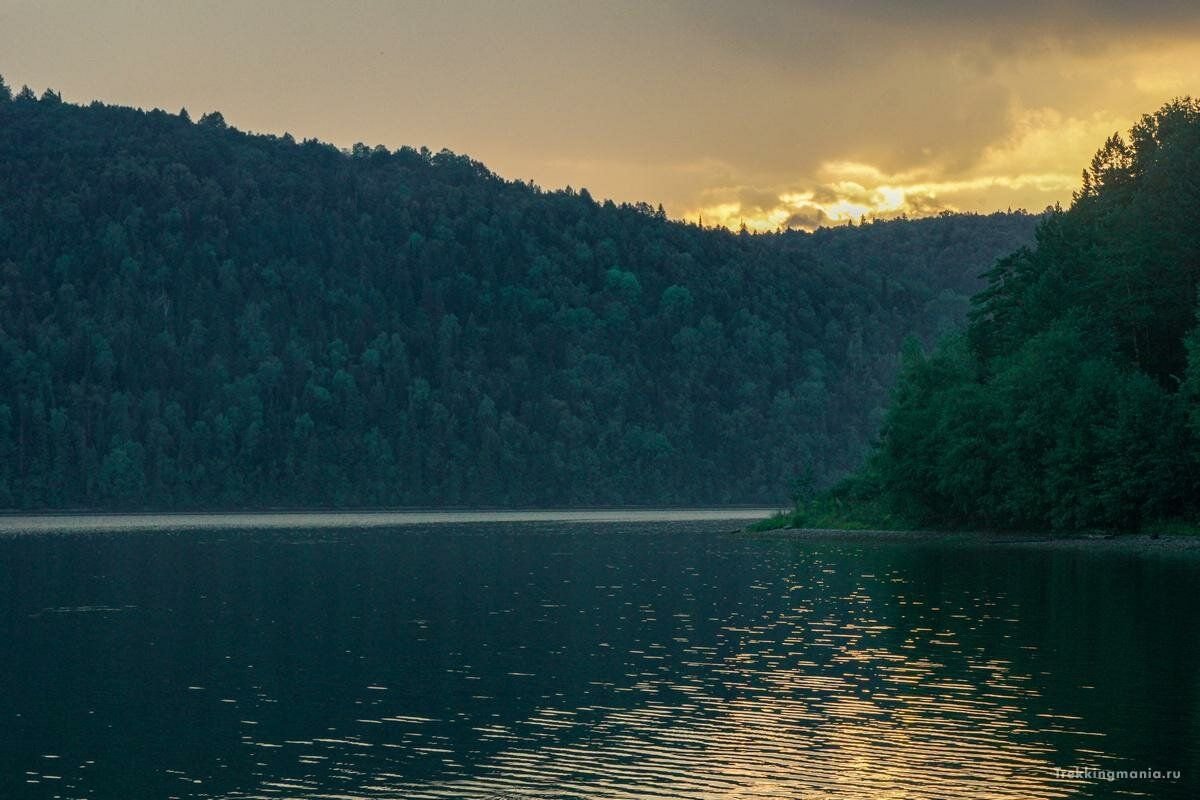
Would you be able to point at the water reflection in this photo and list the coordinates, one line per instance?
(627, 662)
(822, 698)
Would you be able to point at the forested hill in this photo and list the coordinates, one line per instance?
(191, 316)
(1073, 400)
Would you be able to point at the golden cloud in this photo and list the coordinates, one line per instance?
(1036, 164)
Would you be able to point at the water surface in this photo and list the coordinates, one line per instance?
(585, 659)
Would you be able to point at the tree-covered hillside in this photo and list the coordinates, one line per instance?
(191, 316)
(1073, 400)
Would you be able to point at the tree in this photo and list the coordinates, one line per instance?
(1072, 403)
(196, 316)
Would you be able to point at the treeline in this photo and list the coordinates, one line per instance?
(191, 316)
(1073, 399)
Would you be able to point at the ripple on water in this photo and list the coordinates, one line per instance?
(610, 666)
(819, 698)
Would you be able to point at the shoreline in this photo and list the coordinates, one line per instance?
(1115, 543)
(74, 522)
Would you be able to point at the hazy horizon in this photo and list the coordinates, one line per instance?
(772, 115)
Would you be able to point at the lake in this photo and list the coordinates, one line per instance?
(642, 655)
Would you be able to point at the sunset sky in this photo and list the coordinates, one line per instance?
(775, 114)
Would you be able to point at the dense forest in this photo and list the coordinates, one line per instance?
(192, 316)
(1072, 401)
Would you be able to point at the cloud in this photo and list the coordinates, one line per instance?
(1026, 151)
(1021, 170)
(806, 218)
(864, 30)
(777, 113)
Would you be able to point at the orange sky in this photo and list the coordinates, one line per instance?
(775, 114)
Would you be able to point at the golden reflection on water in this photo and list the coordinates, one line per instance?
(831, 698)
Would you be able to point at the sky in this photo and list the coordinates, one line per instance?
(768, 114)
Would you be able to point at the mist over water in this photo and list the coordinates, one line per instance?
(307, 520)
(547, 659)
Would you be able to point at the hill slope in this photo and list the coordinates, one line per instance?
(191, 316)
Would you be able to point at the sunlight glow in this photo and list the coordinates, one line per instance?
(1036, 164)
(875, 194)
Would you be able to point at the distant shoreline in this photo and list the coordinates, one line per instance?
(84, 522)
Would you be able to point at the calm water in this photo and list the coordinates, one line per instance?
(583, 659)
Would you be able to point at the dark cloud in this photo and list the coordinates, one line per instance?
(922, 204)
(751, 198)
(843, 31)
(807, 219)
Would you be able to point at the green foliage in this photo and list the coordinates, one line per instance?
(1071, 403)
(191, 316)
(1191, 386)
(121, 479)
(853, 504)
